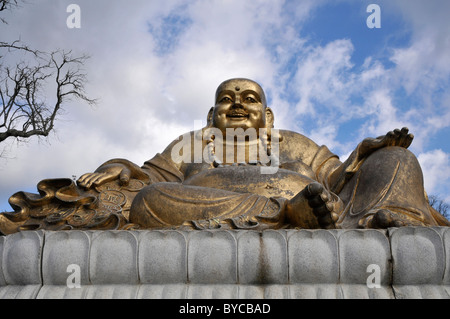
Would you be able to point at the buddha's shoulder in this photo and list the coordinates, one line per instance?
(295, 146)
(292, 138)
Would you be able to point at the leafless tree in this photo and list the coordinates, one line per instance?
(25, 111)
(440, 205)
(24, 85)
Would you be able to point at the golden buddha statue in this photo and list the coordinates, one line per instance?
(239, 172)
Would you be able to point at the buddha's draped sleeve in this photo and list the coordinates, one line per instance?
(323, 163)
(162, 169)
(331, 172)
(337, 175)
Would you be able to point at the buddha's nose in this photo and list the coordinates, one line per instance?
(237, 103)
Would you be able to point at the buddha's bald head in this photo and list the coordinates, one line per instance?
(240, 85)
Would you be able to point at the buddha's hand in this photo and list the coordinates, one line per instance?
(397, 137)
(104, 174)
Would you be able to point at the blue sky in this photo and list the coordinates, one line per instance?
(155, 66)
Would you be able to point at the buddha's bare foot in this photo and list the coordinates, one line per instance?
(384, 218)
(314, 207)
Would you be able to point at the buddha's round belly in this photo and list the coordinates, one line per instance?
(248, 179)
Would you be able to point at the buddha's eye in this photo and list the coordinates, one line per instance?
(250, 99)
(226, 99)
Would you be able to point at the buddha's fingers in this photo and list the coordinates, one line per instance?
(83, 180)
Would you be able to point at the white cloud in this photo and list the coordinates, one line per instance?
(384, 114)
(422, 68)
(324, 77)
(436, 169)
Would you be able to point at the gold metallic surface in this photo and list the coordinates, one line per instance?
(211, 179)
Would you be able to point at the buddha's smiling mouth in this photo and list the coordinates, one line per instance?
(237, 114)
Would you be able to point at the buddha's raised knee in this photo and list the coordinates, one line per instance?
(386, 191)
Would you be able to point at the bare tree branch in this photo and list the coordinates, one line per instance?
(16, 45)
(6, 5)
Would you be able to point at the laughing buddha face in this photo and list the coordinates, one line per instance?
(240, 103)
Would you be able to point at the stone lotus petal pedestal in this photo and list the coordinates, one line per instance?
(413, 262)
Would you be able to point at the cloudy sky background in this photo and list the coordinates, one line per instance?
(155, 66)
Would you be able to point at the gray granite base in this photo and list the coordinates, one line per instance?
(408, 262)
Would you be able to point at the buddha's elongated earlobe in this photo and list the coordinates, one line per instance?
(209, 119)
(269, 118)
